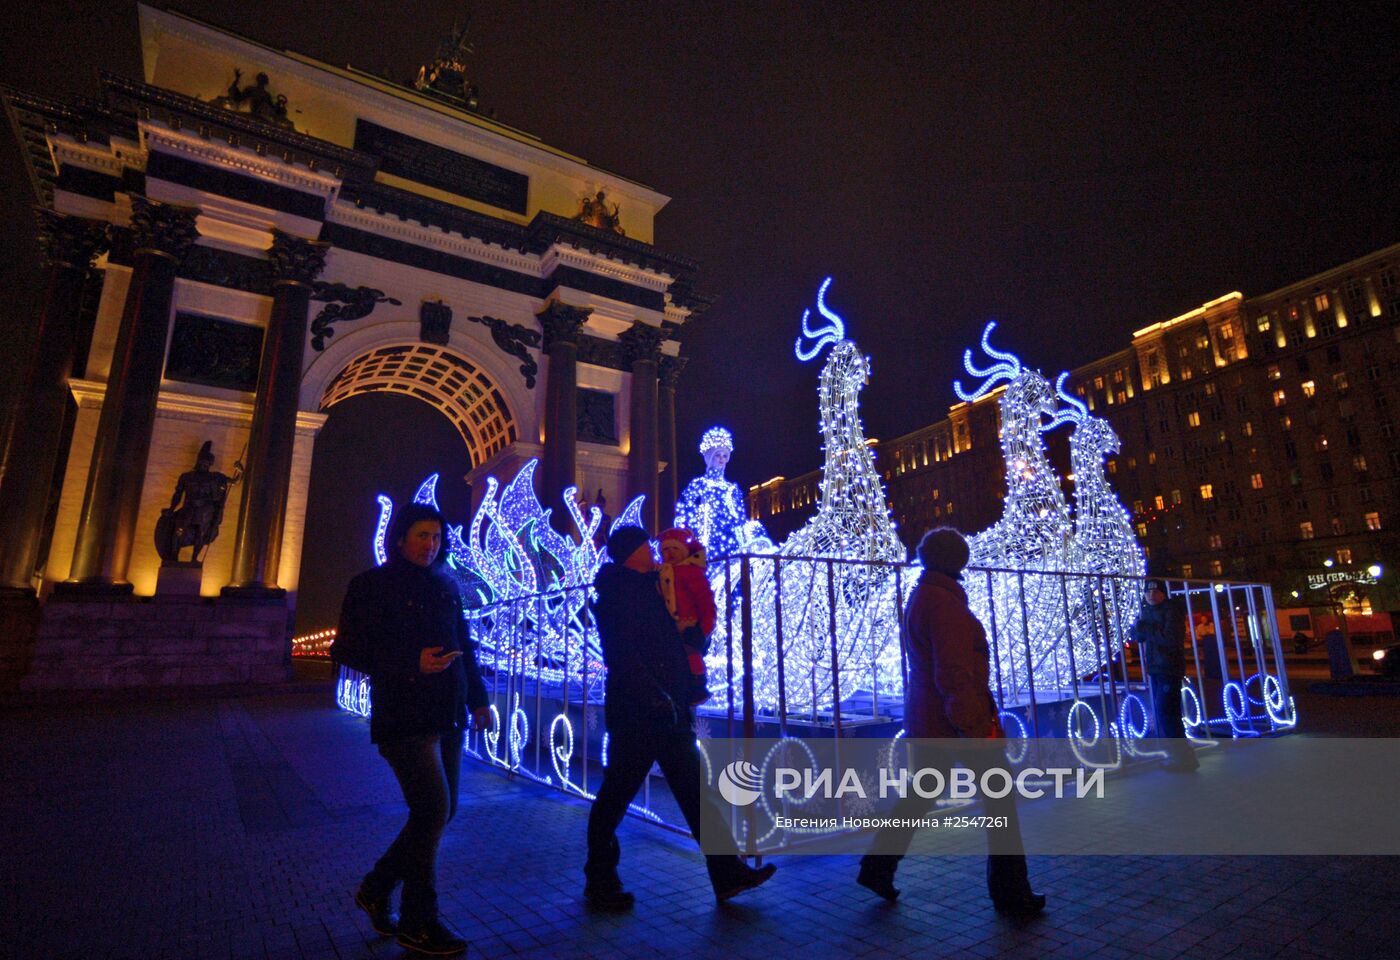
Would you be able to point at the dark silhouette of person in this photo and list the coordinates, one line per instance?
(950, 718)
(649, 721)
(1161, 629)
(403, 625)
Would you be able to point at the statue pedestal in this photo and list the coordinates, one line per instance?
(86, 643)
(179, 579)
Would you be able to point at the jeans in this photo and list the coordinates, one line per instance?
(1006, 857)
(428, 769)
(632, 749)
(1166, 717)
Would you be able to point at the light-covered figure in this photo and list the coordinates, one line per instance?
(713, 507)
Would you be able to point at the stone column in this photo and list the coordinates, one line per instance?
(670, 374)
(561, 324)
(161, 234)
(642, 343)
(32, 435)
(268, 466)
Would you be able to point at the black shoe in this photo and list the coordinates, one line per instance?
(434, 938)
(608, 896)
(877, 881)
(381, 914)
(746, 880)
(1025, 904)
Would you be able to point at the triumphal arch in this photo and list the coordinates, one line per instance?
(237, 241)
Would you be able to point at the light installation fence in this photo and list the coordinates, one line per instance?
(537, 654)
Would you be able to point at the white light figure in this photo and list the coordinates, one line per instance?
(713, 507)
(1105, 543)
(852, 523)
(1026, 613)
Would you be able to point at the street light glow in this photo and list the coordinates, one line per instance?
(1375, 570)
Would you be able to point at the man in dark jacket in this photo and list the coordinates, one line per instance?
(950, 718)
(649, 720)
(1161, 629)
(403, 625)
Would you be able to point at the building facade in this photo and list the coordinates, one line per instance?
(1258, 438)
(244, 237)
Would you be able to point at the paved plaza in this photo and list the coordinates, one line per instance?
(238, 827)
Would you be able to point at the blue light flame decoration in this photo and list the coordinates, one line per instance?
(1074, 412)
(1007, 368)
(834, 332)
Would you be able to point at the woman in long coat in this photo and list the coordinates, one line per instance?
(947, 699)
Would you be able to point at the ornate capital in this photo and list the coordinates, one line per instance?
(296, 260)
(164, 228)
(561, 323)
(69, 241)
(670, 370)
(641, 343)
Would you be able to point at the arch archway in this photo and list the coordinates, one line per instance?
(459, 389)
(370, 445)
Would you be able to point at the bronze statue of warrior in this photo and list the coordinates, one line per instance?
(196, 509)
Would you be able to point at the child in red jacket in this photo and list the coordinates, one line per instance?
(688, 597)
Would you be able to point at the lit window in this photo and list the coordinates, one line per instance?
(1339, 380)
(1322, 441)
(1344, 555)
(1373, 521)
(1161, 504)
(1142, 529)
(1112, 466)
(1309, 388)
(1320, 302)
(1215, 541)
(1202, 341)
(1305, 530)
(1186, 570)
(1274, 373)
(1337, 528)
(1248, 429)
(1286, 422)
(1262, 324)
(1359, 462)
(1176, 496)
(1215, 568)
(1151, 456)
(1206, 492)
(1194, 418)
(1098, 383)
(1256, 480)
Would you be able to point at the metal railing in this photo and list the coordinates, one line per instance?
(809, 647)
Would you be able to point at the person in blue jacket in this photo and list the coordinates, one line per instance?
(403, 625)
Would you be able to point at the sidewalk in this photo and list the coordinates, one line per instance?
(238, 828)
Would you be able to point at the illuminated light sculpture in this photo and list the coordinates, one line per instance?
(1025, 613)
(852, 523)
(1104, 542)
(714, 508)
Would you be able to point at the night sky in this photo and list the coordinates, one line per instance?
(1074, 171)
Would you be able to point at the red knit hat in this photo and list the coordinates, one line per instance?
(681, 535)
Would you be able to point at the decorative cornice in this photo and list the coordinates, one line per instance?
(204, 149)
(69, 241)
(190, 406)
(164, 228)
(561, 323)
(515, 339)
(177, 111)
(641, 343)
(296, 260)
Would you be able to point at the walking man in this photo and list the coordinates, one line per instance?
(402, 624)
(1161, 629)
(649, 720)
